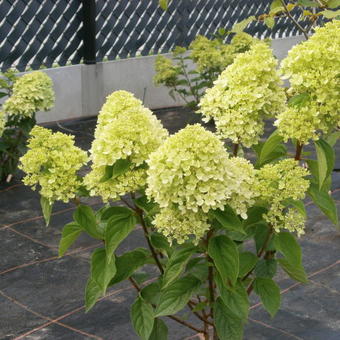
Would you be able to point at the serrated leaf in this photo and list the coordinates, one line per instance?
(149, 207)
(330, 14)
(294, 271)
(266, 268)
(176, 295)
(326, 160)
(70, 233)
(254, 215)
(46, 207)
(270, 22)
(86, 218)
(159, 331)
(116, 231)
(287, 245)
(271, 149)
(325, 202)
(224, 253)
(176, 264)
(228, 219)
(142, 317)
(299, 100)
(228, 326)
(248, 261)
(128, 263)
(101, 271)
(269, 293)
(115, 170)
(160, 242)
(115, 212)
(92, 294)
(241, 25)
(236, 299)
(151, 292)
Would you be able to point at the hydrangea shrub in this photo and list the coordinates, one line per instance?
(26, 95)
(216, 225)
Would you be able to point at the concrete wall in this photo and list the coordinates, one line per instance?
(81, 89)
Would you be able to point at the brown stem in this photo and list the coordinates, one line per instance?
(136, 286)
(235, 149)
(293, 19)
(298, 152)
(199, 316)
(126, 203)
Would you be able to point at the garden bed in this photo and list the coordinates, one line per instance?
(41, 295)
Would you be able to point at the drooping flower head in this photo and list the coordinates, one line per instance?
(191, 174)
(313, 69)
(244, 94)
(277, 185)
(126, 131)
(31, 93)
(51, 163)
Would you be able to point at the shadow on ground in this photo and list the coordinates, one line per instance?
(41, 295)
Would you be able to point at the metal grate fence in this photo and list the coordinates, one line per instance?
(36, 33)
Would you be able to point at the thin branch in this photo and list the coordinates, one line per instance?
(126, 202)
(293, 19)
(299, 147)
(235, 149)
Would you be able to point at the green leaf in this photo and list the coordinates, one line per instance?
(261, 235)
(333, 3)
(227, 218)
(151, 292)
(275, 4)
(271, 149)
(86, 218)
(224, 253)
(116, 231)
(296, 272)
(92, 294)
(101, 271)
(160, 242)
(163, 4)
(46, 208)
(326, 160)
(176, 295)
(299, 100)
(149, 207)
(307, 3)
(330, 14)
(287, 245)
(159, 331)
(115, 212)
(297, 205)
(70, 233)
(325, 202)
(269, 293)
(241, 25)
(228, 326)
(236, 299)
(128, 263)
(270, 22)
(176, 264)
(255, 215)
(333, 137)
(142, 317)
(118, 168)
(248, 261)
(266, 268)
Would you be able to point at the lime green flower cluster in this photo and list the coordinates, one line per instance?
(313, 68)
(176, 226)
(166, 72)
(243, 95)
(31, 93)
(210, 54)
(125, 130)
(277, 184)
(190, 174)
(52, 162)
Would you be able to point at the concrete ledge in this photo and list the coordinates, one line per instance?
(81, 89)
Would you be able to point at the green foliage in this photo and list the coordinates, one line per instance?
(26, 95)
(209, 57)
(142, 316)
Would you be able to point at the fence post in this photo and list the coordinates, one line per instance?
(89, 31)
